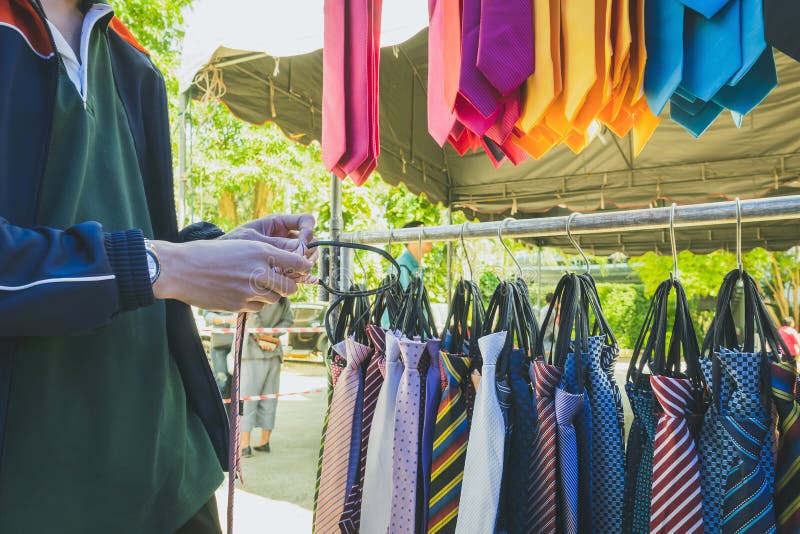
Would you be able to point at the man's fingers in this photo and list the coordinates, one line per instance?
(289, 262)
(270, 281)
(302, 223)
(266, 296)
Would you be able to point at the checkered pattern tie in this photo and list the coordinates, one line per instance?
(338, 441)
(677, 504)
(521, 443)
(639, 459)
(608, 452)
(542, 482)
(787, 483)
(568, 406)
(406, 440)
(483, 467)
(351, 517)
(449, 447)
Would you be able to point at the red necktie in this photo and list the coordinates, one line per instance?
(505, 43)
(334, 125)
(441, 118)
(676, 504)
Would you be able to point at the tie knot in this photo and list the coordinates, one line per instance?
(411, 352)
(377, 336)
(392, 347)
(674, 394)
(491, 346)
(356, 353)
(456, 368)
(547, 378)
(568, 405)
(784, 379)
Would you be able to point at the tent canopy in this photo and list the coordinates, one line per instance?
(271, 70)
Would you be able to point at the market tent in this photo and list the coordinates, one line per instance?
(269, 70)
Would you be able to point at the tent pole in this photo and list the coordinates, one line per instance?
(449, 216)
(697, 215)
(539, 278)
(338, 277)
(182, 167)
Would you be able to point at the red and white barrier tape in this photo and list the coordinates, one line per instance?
(278, 395)
(297, 330)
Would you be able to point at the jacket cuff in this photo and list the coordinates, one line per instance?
(128, 260)
(199, 231)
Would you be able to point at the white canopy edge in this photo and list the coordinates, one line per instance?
(277, 28)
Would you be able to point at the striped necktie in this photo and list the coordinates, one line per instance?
(330, 363)
(351, 517)
(406, 440)
(483, 466)
(449, 447)
(568, 406)
(677, 504)
(522, 441)
(747, 500)
(338, 442)
(433, 398)
(542, 482)
(787, 484)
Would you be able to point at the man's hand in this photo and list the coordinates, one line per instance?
(227, 275)
(289, 232)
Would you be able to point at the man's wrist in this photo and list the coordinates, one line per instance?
(164, 287)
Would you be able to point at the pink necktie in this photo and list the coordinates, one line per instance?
(505, 44)
(334, 125)
(441, 118)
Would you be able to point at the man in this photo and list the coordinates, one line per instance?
(790, 336)
(412, 255)
(220, 347)
(261, 372)
(97, 341)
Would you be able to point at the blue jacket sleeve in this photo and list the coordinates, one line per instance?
(67, 282)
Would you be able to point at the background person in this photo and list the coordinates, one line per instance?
(790, 336)
(220, 347)
(262, 356)
(410, 259)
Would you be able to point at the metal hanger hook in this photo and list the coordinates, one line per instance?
(739, 236)
(505, 246)
(673, 275)
(464, 249)
(575, 242)
(419, 247)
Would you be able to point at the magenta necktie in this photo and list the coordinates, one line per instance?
(505, 43)
(406, 440)
(441, 117)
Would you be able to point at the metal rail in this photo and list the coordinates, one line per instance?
(705, 215)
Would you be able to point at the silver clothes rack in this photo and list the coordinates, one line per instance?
(710, 214)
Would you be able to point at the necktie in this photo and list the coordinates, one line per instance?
(338, 443)
(449, 447)
(521, 443)
(572, 380)
(780, 28)
(568, 406)
(504, 400)
(505, 43)
(712, 51)
(607, 452)
(334, 123)
(357, 76)
(330, 363)
(787, 481)
(677, 504)
(542, 486)
(376, 498)
(441, 118)
(639, 458)
(747, 500)
(664, 42)
(351, 517)
(406, 440)
(483, 467)
(433, 396)
(579, 43)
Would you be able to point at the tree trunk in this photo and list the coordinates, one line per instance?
(227, 208)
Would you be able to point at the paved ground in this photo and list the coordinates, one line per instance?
(278, 490)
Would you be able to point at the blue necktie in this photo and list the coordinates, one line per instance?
(568, 406)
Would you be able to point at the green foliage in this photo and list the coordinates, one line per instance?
(625, 307)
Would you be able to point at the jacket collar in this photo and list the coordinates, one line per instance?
(23, 17)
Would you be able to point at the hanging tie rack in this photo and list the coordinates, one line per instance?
(710, 214)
